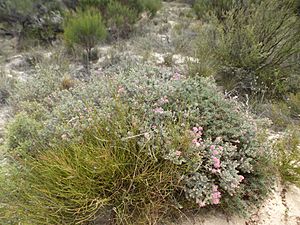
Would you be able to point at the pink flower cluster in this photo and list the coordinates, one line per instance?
(158, 110)
(121, 90)
(236, 182)
(197, 133)
(216, 161)
(216, 195)
(200, 203)
(163, 100)
(176, 76)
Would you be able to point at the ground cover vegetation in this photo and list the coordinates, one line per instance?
(145, 142)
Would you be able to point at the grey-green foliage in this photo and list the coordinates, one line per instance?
(85, 29)
(168, 105)
(22, 133)
(256, 48)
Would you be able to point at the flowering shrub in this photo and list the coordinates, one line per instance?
(168, 119)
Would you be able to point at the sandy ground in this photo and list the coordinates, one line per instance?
(282, 208)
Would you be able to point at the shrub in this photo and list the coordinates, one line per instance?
(283, 113)
(152, 6)
(257, 58)
(22, 133)
(288, 156)
(44, 81)
(116, 171)
(120, 18)
(219, 7)
(6, 86)
(120, 15)
(140, 138)
(85, 29)
(31, 20)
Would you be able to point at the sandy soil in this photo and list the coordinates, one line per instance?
(282, 208)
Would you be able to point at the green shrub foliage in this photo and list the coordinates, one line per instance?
(120, 19)
(254, 57)
(288, 156)
(85, 29)
(31, 20)
(137, 137)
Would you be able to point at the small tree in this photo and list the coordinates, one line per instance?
(85, 29)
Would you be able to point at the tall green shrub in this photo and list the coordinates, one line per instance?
(256, 48)
(120, 18)
(85, 29)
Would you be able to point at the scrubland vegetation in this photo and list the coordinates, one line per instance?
(144, 142)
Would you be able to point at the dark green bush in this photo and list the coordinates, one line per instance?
(254, 57)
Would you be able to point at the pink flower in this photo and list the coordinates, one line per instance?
(200, 203)
(216, 201)
(194, 141)
(215, 171)
(212, 147)
(198, 144)
(178, 153)
(216, 162)
(215, 188)
(216, 195)
(195, 129)
(215, 152)
(176, 76)
(241, 178)
(158, 110)
(121, 90)
(199, 134)
(163, 100)
(221, 148)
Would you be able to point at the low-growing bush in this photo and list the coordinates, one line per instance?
(254, 57)
(6, 87)
(283, 113)
(288, 155)
(22, 133)
(143, 141)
